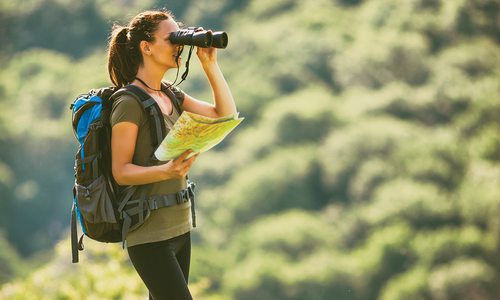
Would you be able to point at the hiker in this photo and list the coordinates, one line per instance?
(140, 54)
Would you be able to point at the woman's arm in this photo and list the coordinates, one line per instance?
(123, 139)
(223, 99)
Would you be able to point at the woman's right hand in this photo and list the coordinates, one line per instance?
(123, 139)
(179, 167)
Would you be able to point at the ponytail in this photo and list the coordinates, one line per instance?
(124, 54)
(122, 66)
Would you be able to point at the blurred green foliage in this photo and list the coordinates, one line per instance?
(368, 166)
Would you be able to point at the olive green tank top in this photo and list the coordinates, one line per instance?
(166, 222)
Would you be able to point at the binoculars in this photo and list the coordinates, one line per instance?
(199, 37)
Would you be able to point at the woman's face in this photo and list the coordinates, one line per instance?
(162, 50)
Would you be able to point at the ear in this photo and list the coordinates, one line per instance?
(144, 45)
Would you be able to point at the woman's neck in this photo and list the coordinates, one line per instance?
(152, 79)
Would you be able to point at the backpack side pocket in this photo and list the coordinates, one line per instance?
(94, 202)
(97, 212)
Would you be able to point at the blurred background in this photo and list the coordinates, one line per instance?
(368, 165)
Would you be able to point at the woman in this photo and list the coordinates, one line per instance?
(140, 54)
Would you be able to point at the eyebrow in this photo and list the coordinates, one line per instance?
(168, 34)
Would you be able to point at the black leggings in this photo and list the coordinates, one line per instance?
(164, 267)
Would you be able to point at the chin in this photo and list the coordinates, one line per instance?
(171, 65)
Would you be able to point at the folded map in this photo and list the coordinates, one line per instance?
(195, 132)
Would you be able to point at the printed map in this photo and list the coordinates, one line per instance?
(195, 132)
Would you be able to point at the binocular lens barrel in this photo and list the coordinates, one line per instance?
(200, 38)
(219, 39)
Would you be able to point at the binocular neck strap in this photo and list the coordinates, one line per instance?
(185, 74)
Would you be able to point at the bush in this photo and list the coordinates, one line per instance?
(343, 153)
(463, 279)
(421, 205)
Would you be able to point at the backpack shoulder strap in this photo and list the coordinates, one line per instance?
(153, 111)
(175, 94)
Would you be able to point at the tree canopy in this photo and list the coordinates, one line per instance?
(368, 165)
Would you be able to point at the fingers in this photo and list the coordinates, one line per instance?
(183, 156)
(180, 166)
(182, 160)
(191, 160)
(186, 165)
(206, 53)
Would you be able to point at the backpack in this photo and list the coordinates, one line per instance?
(105, 210)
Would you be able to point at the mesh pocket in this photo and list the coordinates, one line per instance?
(94, 202)
(96, 212)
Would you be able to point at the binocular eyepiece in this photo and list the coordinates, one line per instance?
(199, 37)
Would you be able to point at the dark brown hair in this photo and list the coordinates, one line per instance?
(124, 54)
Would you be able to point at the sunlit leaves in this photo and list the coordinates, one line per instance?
(367, 166)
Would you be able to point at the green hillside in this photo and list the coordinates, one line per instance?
(367, 167)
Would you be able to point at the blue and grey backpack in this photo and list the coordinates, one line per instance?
(105, 210)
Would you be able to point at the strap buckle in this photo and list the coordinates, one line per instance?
(87, 194)
(181, 196)
(190, 190)
(154, 204)
(186, 194)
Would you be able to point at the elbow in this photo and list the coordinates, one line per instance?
(224, 113)
(118, 176)
(120, 181)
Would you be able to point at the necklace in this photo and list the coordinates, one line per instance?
(148, 85)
